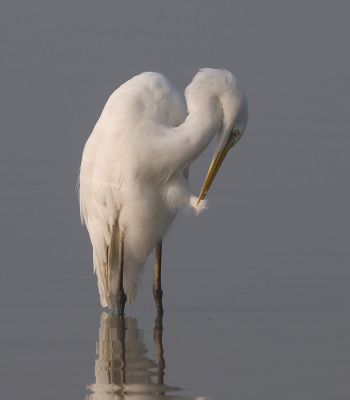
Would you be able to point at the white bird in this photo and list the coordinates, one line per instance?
(135, 165)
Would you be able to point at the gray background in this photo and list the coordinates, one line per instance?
(256, 288)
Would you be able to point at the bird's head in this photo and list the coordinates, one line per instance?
(233, 100)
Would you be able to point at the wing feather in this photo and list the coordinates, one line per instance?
(98, 205)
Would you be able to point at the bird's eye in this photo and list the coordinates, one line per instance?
(233, 138)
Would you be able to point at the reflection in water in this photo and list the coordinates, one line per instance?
(122, 369)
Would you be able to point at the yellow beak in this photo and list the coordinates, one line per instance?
(215, 165)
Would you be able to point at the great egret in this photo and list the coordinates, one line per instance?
(135, 164)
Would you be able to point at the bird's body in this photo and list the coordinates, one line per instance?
(133, 176)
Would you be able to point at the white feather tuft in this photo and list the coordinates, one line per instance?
(203, 205)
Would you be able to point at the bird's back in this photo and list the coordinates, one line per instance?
(149, 95)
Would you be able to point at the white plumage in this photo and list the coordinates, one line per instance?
(134, 170)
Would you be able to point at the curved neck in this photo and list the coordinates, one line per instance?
(192, 137)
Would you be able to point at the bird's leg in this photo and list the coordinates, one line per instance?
(157, 287)
(158, 340)
(121, 297)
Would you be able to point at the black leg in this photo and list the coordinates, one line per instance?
(121, 297)
(157, 287)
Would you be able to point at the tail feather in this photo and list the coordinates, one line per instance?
(100, 271)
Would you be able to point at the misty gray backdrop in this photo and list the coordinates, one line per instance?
(256, 288)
